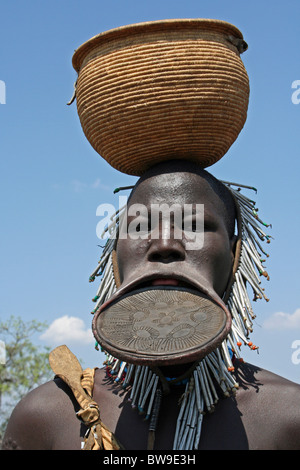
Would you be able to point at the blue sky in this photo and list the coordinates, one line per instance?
(52, 181)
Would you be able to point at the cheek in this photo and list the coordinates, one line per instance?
(222, 265)
(130, 254)
(214, 260)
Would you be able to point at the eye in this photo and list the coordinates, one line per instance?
(193, 224)
(210, 225)
(144, 227)
(138, 226)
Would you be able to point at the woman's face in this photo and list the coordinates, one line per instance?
(160, 251)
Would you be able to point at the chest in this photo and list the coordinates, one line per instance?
(231, 426)
(222, 429)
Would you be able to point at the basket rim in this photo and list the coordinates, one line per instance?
(155, 26)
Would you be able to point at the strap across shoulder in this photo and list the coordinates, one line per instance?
(67, 367)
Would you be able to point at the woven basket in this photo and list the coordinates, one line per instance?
(171, 89)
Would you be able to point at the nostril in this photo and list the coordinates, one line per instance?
(166, 257)
(155, 257)
(177, 256)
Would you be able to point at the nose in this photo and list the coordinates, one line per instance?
(166, 251)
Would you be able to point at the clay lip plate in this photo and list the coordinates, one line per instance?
(161, 325)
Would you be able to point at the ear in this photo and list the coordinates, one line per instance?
(115, 268)
(236, 243)
(233, 246)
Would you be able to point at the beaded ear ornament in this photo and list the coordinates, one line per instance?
(212, 375)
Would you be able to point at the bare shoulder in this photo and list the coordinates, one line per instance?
(270, 406)
(38, 417)
(264, 382)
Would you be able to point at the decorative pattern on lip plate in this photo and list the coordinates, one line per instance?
(160, 321)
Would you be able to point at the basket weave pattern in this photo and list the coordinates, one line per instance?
(158, 94)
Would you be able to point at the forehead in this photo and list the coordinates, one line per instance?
(180, 187)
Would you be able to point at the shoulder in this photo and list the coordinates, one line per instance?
(268, 385)
(37, 417)
(282, 396)
(271, 406)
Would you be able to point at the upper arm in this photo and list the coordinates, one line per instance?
(28, 427)
(282, 398)
(290, 405)
(45, 420)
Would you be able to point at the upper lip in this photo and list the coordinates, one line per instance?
(144, 281)
(147, 279)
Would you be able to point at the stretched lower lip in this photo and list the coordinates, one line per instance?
(165, 282)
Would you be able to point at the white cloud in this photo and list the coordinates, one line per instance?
(67, 330)
(283, 321)
(78, 186)
(96, 184)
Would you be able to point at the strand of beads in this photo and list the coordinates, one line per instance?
(249, 271)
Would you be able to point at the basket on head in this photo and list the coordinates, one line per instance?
(162, 90)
